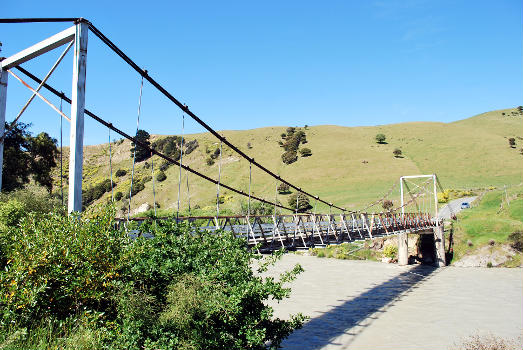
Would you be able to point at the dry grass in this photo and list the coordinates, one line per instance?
(347, 166)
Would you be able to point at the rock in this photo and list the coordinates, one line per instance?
(386, 260)
(142, 208)
(496, 256)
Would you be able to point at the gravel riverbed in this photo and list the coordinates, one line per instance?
(370, 305)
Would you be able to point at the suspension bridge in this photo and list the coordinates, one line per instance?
(262, 232)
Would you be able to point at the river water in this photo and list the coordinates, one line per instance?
(372, 305)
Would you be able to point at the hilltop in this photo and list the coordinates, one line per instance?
(347, 166)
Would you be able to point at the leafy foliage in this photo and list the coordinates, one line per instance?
(141, 153)
(516, 240)
(118, 195)
(181, 288)
(380, 138)
(120, 173)
(95, 192)
(390, 251)
(283, 188)
(387, 204)
(25, 156)
(301, 200)
(512, 142)
(161, 176)
(289, 157)
(305, 152)
(397, 152)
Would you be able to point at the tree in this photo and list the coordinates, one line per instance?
(141, 153)
(289, 157)
(283, 188)
(512, 142)
(305, 152)
(387, 204)
(380, 138)
(302, 201)
(120, 173)
(161, 176)
(43, 151)
(397, 153)
(520, 109)
(26, 156)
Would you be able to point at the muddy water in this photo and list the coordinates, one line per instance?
(369, 305)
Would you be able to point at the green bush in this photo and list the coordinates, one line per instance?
(283, 188)
(11, 213)
(380, 138)
(289, 157)
(209, 161)
(75, 282)
(305, 152)
(120, 173)
(303, 202)
(516, 240)
(118, 195)
(390, 251)
(161, 176)
(58, 266)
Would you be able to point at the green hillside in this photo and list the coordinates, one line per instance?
(347, 166)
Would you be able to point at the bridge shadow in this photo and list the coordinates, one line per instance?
(354, 315)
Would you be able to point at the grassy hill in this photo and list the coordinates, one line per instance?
(347, 166)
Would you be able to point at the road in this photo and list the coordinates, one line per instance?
(455, 206)
(365, 305)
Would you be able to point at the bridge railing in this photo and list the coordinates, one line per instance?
(291, 231)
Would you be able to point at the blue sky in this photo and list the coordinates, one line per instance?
(247, 64)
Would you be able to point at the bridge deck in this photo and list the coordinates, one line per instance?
(271, 232)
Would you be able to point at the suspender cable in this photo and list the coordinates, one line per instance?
(250, 182)
(218, 184)
(145, 146)
(61, 157)
(180, 172)
(154, 189)
(184, 108)
(188, 193)
(111, 166)
(135, 147)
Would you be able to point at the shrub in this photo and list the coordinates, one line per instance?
(289, 157)
(512, 142)
(120, 173)
(249, 146)
(290, 130)
(137, 151)
(397, 152)
(283, 188)
(283, 135)
(118, 195)
(190, 146)
(443, 197)
(161, 176)
(390, 251)
(59, 266)
(209, 161)
(187, 300)
(516, 240)
(380, 138)
(387, 204)
(305, 152)
(302, 201)
(165, 165)
(90, 286)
